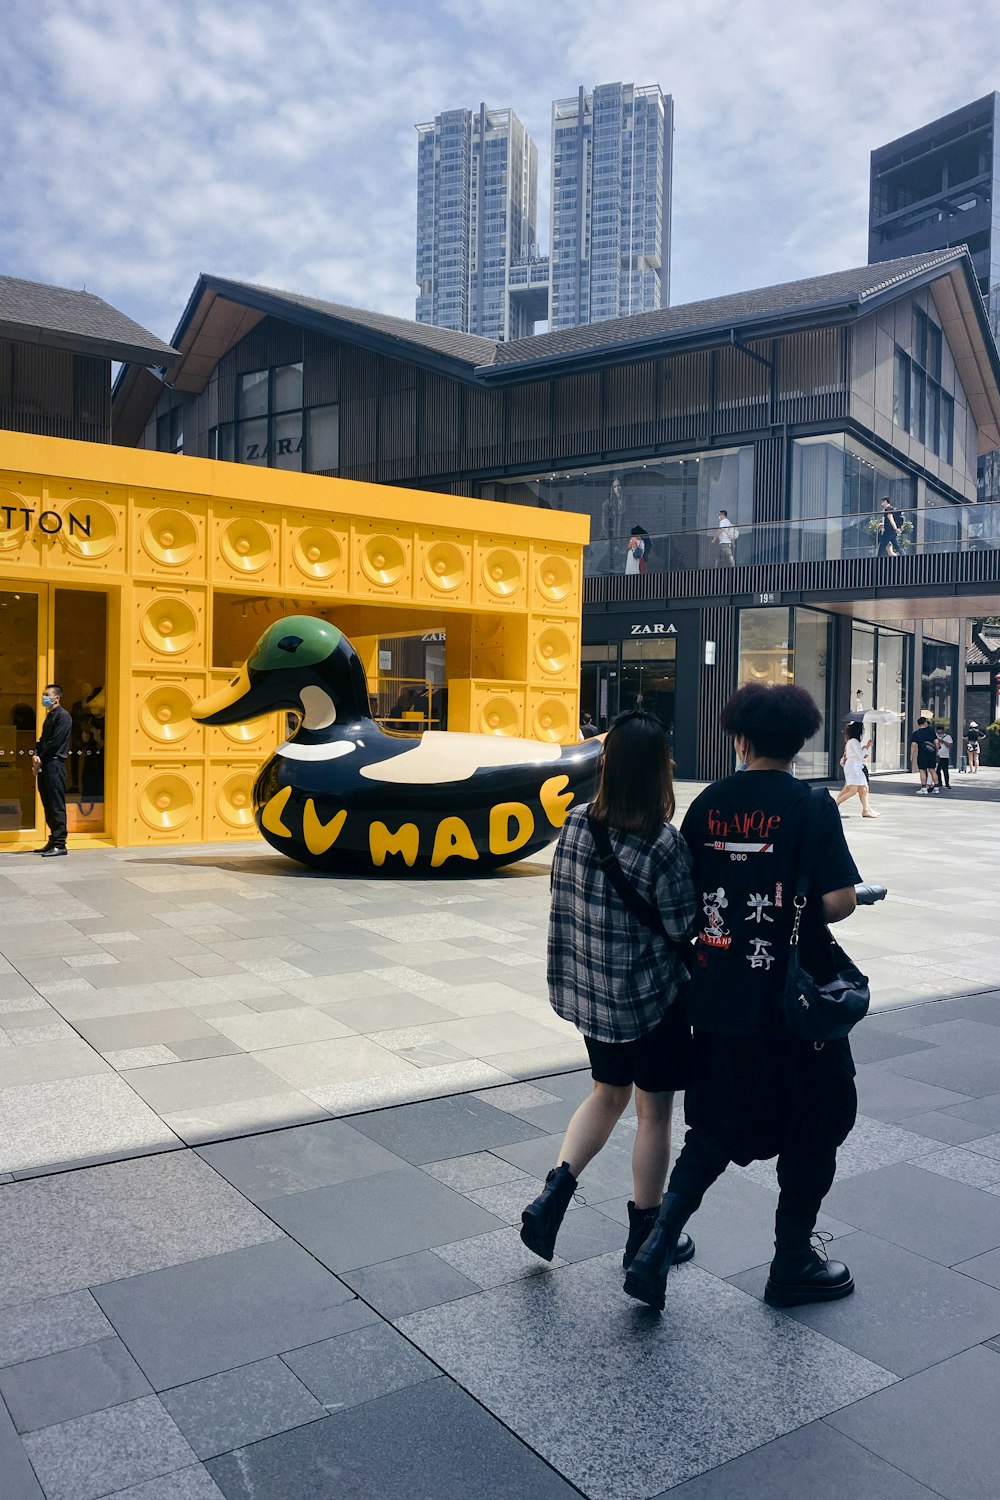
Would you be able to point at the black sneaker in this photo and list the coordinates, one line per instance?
(52, 853)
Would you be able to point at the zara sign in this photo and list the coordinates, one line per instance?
(656, 628)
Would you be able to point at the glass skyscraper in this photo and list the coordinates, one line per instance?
(612, 157)
(478, 265)
(477, 201)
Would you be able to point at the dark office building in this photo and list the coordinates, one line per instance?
(792, 409)
(935, 189)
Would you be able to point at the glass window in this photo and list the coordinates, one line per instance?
(918, 396)
(811, 666)
(287, 392)
(286, 441)
(946, 433)
(765, 650)
(251, 442)
(323, 448)
(253, 394)
(901, 391)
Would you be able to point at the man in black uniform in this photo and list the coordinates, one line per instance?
(48, 761)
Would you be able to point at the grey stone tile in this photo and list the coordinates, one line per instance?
(568, 1052)
(241, 1406)
(497, 1257)
(293, 1161)
(358, 1366)
(107, 1450)
(143, 1029)
(194, 1483)
(869, 1045)
(206, 1316)
(587, 1232)
(207, 1046)
(886, 1095)
(515, 1097)
(938, 1426)
(983, 1267)
(346, 1059)
(411, 1282)
(506, 1200)
(570, 1341)
(906, 1312)
(44, 1327)
(19, 1478)
(48, 1125)
(380, 1012)
(47, 1062)
(962, 1035)
(976, 1169)
(72, 1383)
(931, 1215)
(377, 1218)
(87, 1005)
(59, 1234)
(140, 1057)
(480, 1169)
(813, 1460)
(438, 1129)
(971, 1073)
(984, 1111)
(219, 1122)
(427, 1442)
(191, 1085)
(609, 1175)
(939, 1125)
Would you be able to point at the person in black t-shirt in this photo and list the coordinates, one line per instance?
(48, 762)
(756, 1091)
(923, 755)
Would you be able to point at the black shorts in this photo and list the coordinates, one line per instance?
(655, 1063)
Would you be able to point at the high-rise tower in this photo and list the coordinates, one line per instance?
(612, 159)
(477, 197)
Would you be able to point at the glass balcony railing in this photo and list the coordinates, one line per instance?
(974, 528)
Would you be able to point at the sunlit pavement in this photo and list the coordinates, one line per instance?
(253, 1297)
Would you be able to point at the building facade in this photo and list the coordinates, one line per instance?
(795, 409)
(477, 205)
(612, 160)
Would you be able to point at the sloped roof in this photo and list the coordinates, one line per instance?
(33, 312)
(837, 289)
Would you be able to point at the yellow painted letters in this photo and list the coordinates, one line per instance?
(271, 816)
(452, 838)
(404, 841)
(555, 802)
(502, 841)
(320, 836)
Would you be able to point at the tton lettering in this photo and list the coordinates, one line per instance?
(49, 522)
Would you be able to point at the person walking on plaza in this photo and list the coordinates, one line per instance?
(923, 756)
(945, 743)
(48, 762)
(853, 762)
(623, 906)
(755, 1090)
(973, 739)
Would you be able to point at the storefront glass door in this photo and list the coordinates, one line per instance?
(649, 679)
(22, 663)
(52, 635)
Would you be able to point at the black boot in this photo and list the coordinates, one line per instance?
(801, 1274)
(541, 1219)
(646, 1278)
(640, 1227)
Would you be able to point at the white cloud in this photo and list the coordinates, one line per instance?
(145, 143)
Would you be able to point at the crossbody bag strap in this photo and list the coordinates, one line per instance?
(803, 862)
(640, 908)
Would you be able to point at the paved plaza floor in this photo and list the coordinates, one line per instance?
(265, 1138)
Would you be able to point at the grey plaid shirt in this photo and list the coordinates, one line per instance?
(608, 972)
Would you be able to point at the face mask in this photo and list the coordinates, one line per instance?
(48, 701)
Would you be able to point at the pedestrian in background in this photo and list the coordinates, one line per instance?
(853, 762)
(973, 739)
(923, 756)
(48, 762)
(945, 744)
(623, 906)
(588, 729)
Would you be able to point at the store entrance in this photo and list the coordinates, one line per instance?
(52, 635)
(617, 676)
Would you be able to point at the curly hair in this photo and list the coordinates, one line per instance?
(776, 721)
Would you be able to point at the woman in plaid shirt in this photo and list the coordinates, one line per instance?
(617, 975)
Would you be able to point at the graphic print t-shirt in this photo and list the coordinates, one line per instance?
(744, 835)
(923, 737)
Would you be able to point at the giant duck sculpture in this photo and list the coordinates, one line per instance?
(342, 795)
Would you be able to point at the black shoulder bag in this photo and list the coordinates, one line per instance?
(812, 1011)
(643, 910)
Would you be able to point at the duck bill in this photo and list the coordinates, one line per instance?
(243, 698)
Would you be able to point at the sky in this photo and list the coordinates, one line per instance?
(143, 143)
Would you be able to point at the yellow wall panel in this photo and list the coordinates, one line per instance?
(165, 802)
(555, 580)
(554, 651)
(501, 571)
(315, 551)
(161, 714)
(169, 536)
(487, 707)
(170, 626)
(105, 510)
(245, 546)
(256, 738)
(229, 801)
(20, 545)
(381, 561)
(443, 570)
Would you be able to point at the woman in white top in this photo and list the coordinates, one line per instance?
(853, 762)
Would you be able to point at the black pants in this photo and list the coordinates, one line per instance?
(52, 790)
(804, 1178)
(944, 772)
